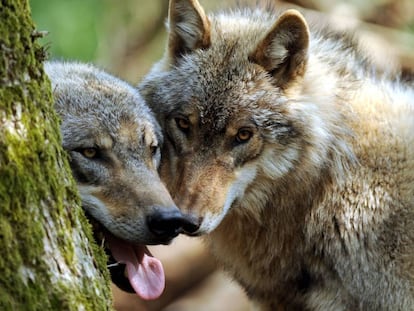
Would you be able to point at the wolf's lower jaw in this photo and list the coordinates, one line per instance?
(116, 269)
(118, 274)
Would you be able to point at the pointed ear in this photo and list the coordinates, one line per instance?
(189, 28)
(283, 51)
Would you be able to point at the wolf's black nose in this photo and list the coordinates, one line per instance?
(190, 226)
(168, 223)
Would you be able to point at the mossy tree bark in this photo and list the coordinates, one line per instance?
(48, 260)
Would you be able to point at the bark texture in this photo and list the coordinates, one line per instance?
(49, 259)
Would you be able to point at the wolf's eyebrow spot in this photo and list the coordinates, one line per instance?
(130, 132)
(105, 142)
(148, 136)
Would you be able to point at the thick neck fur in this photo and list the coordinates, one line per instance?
(276, 220)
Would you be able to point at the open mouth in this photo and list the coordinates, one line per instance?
(132, 267)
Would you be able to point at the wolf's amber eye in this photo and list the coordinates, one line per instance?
(243, 135)
(89, 153)
(182, 124)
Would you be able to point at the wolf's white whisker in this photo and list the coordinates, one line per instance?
(113, 265)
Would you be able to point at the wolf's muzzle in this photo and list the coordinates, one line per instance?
(167, 223)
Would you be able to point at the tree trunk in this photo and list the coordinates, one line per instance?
(49, 260)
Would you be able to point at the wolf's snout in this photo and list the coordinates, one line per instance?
(166, 224)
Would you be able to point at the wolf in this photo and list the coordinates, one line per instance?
(113, 142)
(295, 154)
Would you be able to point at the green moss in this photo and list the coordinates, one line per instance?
(39, 206)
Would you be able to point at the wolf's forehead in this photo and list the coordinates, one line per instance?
(216, 116)
(218, 99)
(218, 88)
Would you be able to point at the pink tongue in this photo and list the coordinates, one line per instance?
(145, 273)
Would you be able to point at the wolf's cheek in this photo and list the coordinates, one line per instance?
(243, 177)
(87, 171)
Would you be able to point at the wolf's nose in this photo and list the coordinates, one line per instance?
(190, 226)
(168, 223)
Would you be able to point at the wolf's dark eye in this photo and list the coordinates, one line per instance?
(183, 124)
(154, 150)
(243, 136)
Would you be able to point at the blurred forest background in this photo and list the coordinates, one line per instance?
(127, 36)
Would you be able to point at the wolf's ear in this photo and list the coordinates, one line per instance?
(189, 28)
(283, 51)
